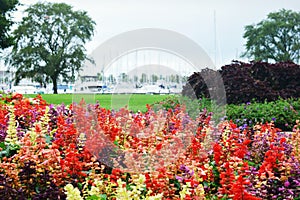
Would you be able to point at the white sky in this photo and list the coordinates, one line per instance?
(192, 18)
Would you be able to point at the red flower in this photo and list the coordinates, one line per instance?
(159, 146)
(17, 96)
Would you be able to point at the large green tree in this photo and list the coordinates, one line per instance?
(6, 8)
(50, 43)
(276, 38)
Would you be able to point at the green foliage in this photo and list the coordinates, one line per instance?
(193, 106)
(276, 38)
(8, 150)
(6, 7)
(283, 112)
(50, 43)
(95, 197)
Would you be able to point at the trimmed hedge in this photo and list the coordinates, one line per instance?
(245, 82)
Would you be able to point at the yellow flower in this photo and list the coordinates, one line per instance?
(185, 190)
(72, 193)
(94, 191)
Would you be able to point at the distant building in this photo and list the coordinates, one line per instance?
(5, 80)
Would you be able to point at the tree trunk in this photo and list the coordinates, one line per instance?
(54, 81)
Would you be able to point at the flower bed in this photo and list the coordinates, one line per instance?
(88, 152)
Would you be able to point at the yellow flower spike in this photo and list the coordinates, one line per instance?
(52, 132)
(98, 183)
(142, 179)
(44, 122)
(81, 140)
(94, 191)
(200, 191)
(121, 192)
(11, 137)
(72, 193)
(185, 190)
(85, 189)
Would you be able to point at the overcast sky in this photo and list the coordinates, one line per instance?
(192, 18)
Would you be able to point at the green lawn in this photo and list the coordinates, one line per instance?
(134, 102)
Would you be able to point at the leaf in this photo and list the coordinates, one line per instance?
(103, 196)
(175, 182)
(79, 185)
(2, 145)
(4, 153)
(116, 143)
(48, 139)
(94, 197)
(205, 184)
(128, 187)
(37, 189)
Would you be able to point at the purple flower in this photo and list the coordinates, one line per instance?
(290, 191)
(274, 119)
(179, 178)
(184, 168)
(191, 172)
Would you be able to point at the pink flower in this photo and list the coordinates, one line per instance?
(286, 184)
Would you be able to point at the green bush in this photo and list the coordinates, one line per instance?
(284, 113)
(193, 106)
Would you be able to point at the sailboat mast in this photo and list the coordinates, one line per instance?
(215, 36)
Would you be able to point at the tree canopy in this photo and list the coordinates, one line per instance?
(276, 38)
(6, 7)
(50, 43)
